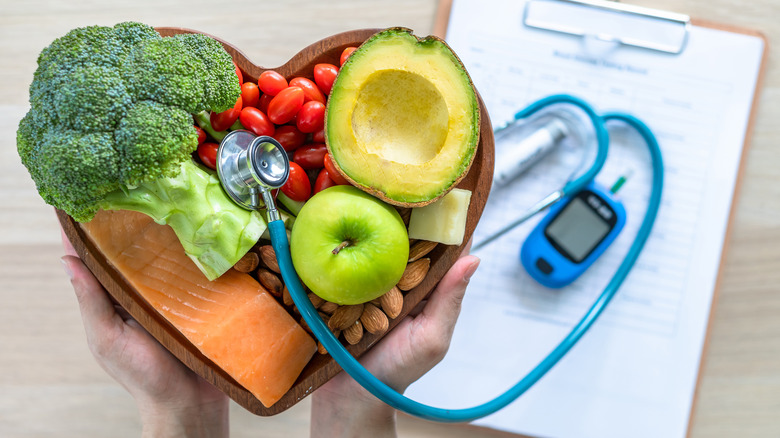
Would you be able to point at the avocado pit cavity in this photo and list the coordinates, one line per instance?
(400, 116)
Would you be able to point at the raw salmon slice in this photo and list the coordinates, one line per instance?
(232, 320)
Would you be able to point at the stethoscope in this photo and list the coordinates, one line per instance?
(251, 167)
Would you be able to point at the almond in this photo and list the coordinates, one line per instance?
(354, 333)
(270, 281)
(247, 263)
(286, 297)
(420, 249)
(374, 320)
(414, 274)
(305, 324)
(328, 307)
(321, 348)
(315, 299)
(392, 302)
(268, 256)
(345, 316)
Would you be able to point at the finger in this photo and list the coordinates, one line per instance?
(416, 310)
(69, 250)
(421, 305)
(97, 310)
(467, 247)
(444, 303)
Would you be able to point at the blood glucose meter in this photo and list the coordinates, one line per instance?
(572, 236)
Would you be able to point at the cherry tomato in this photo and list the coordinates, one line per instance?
(250, 94)
(311, 117)
(345, 54)
(285, 105)
(310, 90)
(207, 152)
(310, 156)
(323, 181)
(324, 75)
(289, 137)
(333, 172)
(222, 121)
(239, 74)
(201, 134)
(256, 121)
(271, 82)
(318, 137)
(297, 187)
(262, 103)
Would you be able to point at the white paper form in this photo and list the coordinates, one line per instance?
(634, 373)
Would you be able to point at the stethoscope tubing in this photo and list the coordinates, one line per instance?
(398, 401)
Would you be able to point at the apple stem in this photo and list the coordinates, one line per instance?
(341, 246)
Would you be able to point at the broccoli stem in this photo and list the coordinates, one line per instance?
(203, 120)
(214, 231)
(294, 207)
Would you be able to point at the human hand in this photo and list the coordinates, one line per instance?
(343, 408)
(172, 400)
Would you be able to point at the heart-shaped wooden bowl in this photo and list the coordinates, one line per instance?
(322, 367)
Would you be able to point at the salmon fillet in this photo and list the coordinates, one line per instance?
(232, 320)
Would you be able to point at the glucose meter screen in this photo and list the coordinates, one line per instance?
(577, 230)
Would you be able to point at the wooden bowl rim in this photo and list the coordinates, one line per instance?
(322, 367)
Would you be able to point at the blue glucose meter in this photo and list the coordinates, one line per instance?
(572, 236)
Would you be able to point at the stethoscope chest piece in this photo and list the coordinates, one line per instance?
(249, 166)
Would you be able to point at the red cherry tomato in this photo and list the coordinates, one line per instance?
(262, 103)
(324, 75)
(311, 117)
(222, 121)
(318, 137)
(285, 105)
(207, 152)
(201, 134)
(333, 172)
(310, 156)
(289, 137)
(310, 90)
(345, 54)
(323, 181)
(239, 74)
(256, 121)
(297, 187)
(250, 94)
(271, 82)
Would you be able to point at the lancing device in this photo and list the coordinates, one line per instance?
(522, 152)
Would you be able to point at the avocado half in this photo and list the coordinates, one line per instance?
(402, 120)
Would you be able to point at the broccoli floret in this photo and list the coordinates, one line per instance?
(218, 93)
(152, 139)
(110, 127)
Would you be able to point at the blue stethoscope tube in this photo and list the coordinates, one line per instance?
(398, 401)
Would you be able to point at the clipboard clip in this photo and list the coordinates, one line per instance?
(612, 22)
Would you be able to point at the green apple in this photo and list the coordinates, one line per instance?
(347, 246)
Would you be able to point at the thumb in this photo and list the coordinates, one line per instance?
(444, 303)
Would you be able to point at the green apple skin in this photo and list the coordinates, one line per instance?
(377, 245)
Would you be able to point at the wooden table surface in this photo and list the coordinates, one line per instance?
(51, 386)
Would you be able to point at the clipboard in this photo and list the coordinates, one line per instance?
(540, 14)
